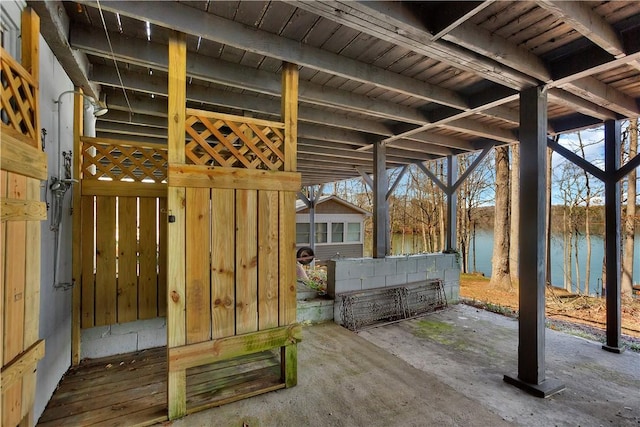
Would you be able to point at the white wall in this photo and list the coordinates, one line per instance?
(55, 305)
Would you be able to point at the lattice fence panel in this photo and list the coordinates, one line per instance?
(123, 162)
(234, 141)
(19, 97)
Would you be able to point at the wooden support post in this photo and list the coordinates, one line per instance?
(30, 35)
(380, 205)
(76, 230)
(452, 202)
(176, 321)
(612, 143)
(287, 288)
(531, 345)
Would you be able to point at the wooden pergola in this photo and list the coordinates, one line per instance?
(381, 85)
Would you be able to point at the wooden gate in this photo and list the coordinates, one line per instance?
(23, 166)
(231, 258)
(121, 232)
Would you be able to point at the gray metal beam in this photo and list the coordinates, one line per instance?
(452, 203)
(612, 144)
(380, 205)
(54, 26)
(531, 344)
(577, 160)
(403, 171)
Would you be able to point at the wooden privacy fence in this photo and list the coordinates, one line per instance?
(231, 277)
(23, 165)
(123, 231)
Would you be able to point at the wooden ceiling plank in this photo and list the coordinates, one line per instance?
(587, 22)
(605, 95)
(189, 20)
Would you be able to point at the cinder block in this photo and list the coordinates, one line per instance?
(341, 271)
(444, 261)
(109, 345)
(426, 263)
(431, 275)
(407, 265)
(127, 328)
(384, 267)
(150, 338)
(337, 312)
(417, 277)
(453, 293)
(331, 278)
(361, 270)
(374, 282)
(348, 285)
(396, 279)
(451, 275)
(95, 333)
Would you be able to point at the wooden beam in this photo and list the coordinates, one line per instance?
(584, 20)
(393, 23)
(55, 29)
(20, 157)
(190, 356)
(19, 366)
(448, 17)
(569, 100)
(176, 321)
(76, 232)
(220, 177)
(94, 187)
(289, 114)
(576, 160)
(22, 210)
(604, 95)
(482, 130)
(380, 205)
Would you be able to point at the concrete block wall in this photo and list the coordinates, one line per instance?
(357, 274)
(104, 341)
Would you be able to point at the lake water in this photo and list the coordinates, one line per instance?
(484, 248)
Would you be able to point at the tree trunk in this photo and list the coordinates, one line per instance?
(442, 212)
(514, 237)
(629, 223)
(500, 277)
(548, 224)
(587, 224)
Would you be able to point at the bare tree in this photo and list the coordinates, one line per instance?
(626, 283)
(500, 276)
(514, 245)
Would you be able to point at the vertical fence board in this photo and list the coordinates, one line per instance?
(246, 261)
(162, 258)
(287, 250)
(105, 293)
(15, 270)
(223, 262)
(267, 259)
(198, 255)
(32, 296)
(3, 252)
(147, 247)
(127, 259)
(87, 319)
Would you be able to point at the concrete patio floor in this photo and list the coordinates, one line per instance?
(445, 368)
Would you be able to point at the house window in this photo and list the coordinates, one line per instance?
(353, 232)
(337, 232)
(321, 232)
(302, 233)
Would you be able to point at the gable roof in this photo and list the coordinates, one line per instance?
(300, 205)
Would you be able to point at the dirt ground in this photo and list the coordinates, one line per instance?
(560, 304)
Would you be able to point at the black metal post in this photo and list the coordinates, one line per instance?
(612, 143)
(380, 205)
(533, 207)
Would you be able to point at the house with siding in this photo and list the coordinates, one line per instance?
(339, 228)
